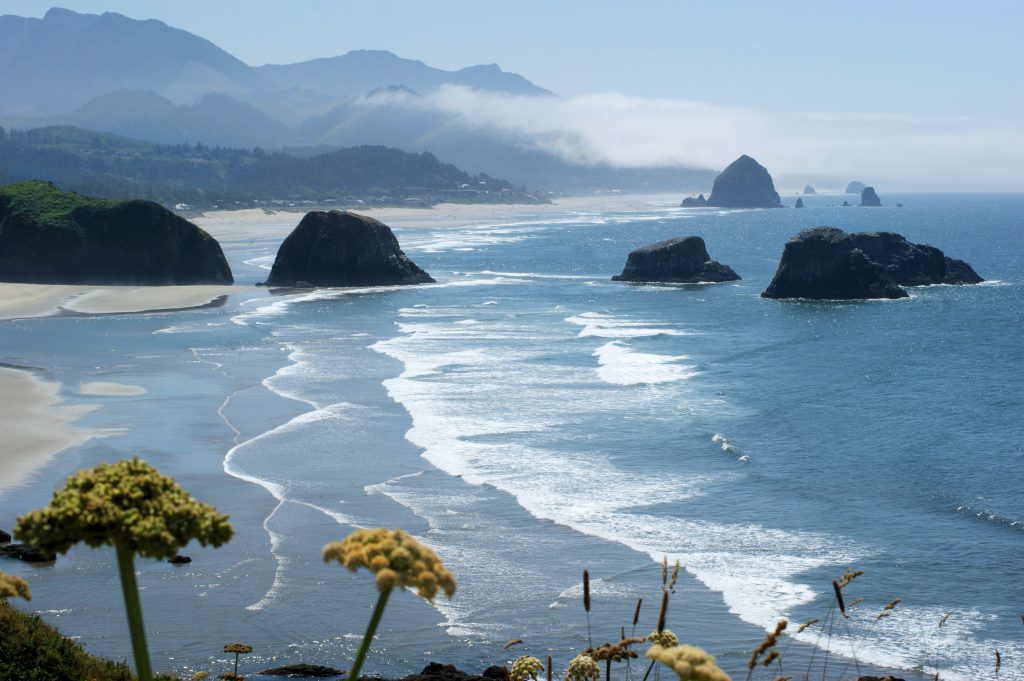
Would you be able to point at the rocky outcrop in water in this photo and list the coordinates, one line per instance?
(745, 183)
(868, 197)
(825, 264)
(855, 187)
(4, 537)
(52, 237)
(799, 203)
(302, 670)
(684, 260)
(25, 552)
(808, 189)
(912, 264)
(690, 202)
(339, 248)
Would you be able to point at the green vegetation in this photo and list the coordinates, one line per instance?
(111, 166)
(44, 203)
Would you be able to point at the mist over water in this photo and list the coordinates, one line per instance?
(528, 418)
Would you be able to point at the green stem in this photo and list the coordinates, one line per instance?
(236, 664)
(608, 669)
(649, 668)
(126, 566)
(364, 647)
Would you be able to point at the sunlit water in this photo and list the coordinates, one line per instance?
(529, 418)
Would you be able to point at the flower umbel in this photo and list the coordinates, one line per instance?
(11, 586)
(689, 662)
(128, 504)
(582, 668)
(665, 638)
(395, 558)
(525, 668)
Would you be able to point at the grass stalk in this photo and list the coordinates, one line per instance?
(371, 630)
(133, 608)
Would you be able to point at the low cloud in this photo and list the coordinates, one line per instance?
(897, 152)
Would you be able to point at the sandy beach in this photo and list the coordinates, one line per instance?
(18, 301)
(35, 423)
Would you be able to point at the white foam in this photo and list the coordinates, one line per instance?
(265, 262)
(606, 326)
(619, 364)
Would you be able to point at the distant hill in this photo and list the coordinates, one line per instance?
(55, 64)
(362, 71)
(111, 166)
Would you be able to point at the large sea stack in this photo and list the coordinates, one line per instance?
(824, 263)
(48, 236)
(855, 187)
(913, 264)
(745, 183)
(339, 248)
(684, 260)
(868, 197)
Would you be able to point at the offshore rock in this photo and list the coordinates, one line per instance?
(745, 183)
(808, 189)
(25, 552)
(855, 187)
(435, 671)
(825, 264)
(799, 203)
(910, 264)
(4, 537)
(868, 197)
(302, 670)
(683, 260)
(339, 248)
(48, 236)
(690, 202)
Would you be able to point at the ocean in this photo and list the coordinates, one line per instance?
(529, 418)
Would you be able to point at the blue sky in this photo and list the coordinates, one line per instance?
(920, 57)
(910, 95)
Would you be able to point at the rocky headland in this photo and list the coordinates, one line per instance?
(683, 260)
(48, 236)
(340, 248)
(744, 183)
(826, 263)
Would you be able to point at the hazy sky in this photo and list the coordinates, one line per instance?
(914, 94)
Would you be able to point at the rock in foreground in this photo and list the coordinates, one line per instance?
(868, 197)
(913, 264)
(303, 671)
(339, 248)
(745, 183)
(684, 260)
(52, 237)
(825, 264)
(25, 552)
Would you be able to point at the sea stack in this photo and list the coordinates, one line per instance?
(339, 248)
(808, 189)
(868, 197)
(855, 187)
(912, 264)
(48, 236)
(799, 203)
(690, 202)
(825, 264)
(683, 260)
(745, 183)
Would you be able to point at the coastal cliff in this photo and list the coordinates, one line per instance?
(48, 236)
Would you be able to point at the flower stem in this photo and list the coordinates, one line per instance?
(126, 566)
(649, 668)
(371, 629)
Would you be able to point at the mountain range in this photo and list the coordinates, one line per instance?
(147, 80)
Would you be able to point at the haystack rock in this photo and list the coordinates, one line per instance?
(868, 197)
(808, 189)
(684, 260)
(339, 248)
(825, 264)
(52, 237)
(690, 202)
(855, 187)
(745, 183)
(912, 264)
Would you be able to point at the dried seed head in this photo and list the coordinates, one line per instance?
(549, 669)
(199, 676)
(395, 558)
(892, 604)
(526, 668)
(839, 598)
(945, 617)
(690, 663)
(513, 642)
(772, 656)
(636, 613)
(664, 610)
(11, 586)
(586, 590)
(240, 648)
(664, 571)
(675, 576)
(806, 624)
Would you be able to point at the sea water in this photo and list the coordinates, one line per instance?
(529, 418)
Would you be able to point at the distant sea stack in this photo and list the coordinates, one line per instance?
(808, 189)
(48, 236)
(868, 197)
(799, 203)
(828, 263)
(825, 264)
(745, 183)
(684, 260)
(339, 248)
(690, 202)
(855, 187)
